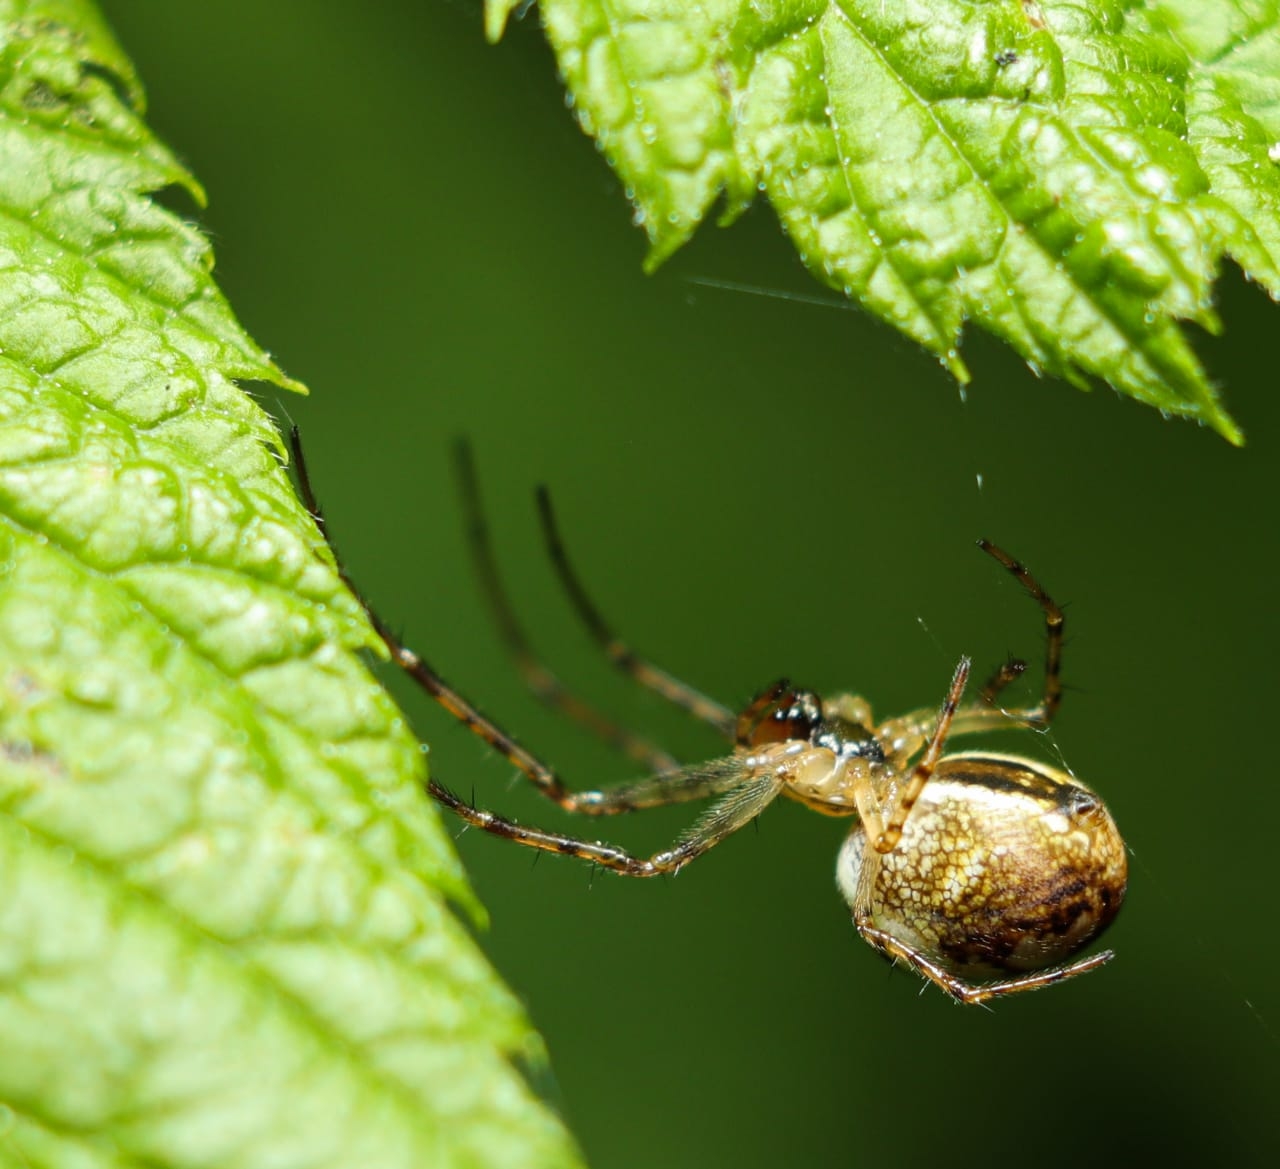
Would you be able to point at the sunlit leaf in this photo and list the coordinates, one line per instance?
(224, 937)
(1067, 176)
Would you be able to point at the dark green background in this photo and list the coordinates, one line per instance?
(413, 224)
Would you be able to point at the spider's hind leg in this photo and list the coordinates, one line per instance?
(972, 993)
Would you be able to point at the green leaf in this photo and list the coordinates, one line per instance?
(224, 937)
(1067, 176)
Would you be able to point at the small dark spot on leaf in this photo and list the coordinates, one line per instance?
(1006, 57)
(40, 95)
(24, 754)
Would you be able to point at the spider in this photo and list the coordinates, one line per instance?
(983, 872)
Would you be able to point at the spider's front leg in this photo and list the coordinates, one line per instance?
(885, 839)
(740, 804)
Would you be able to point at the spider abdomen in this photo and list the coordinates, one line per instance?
(1005, 864)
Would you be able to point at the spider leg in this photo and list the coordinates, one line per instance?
(1004, 675)
(698, 782)
(418, 669)
(647, 793)
(984, 714)
(739, 807)
(887, 838)
(970, 992)
(1040, 715)
(671, 688)
(544, 684)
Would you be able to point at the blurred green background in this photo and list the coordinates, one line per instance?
(412, 223)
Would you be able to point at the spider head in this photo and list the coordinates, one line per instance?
(779, 713)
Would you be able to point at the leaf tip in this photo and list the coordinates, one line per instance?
(954, 364)
(662, 246)
(496, 15)
(270, 371)
(1225, 425)
(196, 190)
(1208, 411)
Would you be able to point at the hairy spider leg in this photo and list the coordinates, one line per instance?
(968, 992)
(545, 685)
(692, 783)
(885, 839)
(544, 778)
(1003, 675)
(671, 688)
(983, 714)
(1040, 715)
(741, 805)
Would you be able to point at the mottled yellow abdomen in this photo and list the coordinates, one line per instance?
(1004, 864)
